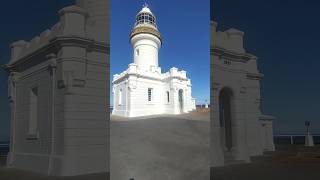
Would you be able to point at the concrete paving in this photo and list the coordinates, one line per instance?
(149, 148)
(18, 174)
(170, 147)
(289, 162)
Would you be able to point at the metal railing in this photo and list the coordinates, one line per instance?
(294, 138)
(4, 149)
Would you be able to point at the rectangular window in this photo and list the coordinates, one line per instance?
(168, 97)
(150, 94)
(33, 117)
(120, 97)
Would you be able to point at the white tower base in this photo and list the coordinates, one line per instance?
(309, 140)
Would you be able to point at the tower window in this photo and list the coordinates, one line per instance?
(168, 97)
(150, 94)
(120, 97)
(137, 52)
(33, 116)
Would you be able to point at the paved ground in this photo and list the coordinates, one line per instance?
(3, 160)
(166, 147)
(160, 147)
(15, 174)
(18, 174)
(289, 162)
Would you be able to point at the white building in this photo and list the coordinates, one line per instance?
(239, 130)
(58, 92)
(143, 89)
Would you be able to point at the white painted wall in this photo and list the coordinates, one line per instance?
(145, 50)
(235, 69)
(267, 133)
(72, 80)
(135, 87)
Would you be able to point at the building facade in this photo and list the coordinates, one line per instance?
(58, 87)
(143, 89)
(239, 130)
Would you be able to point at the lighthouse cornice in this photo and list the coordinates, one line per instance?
(147, 30)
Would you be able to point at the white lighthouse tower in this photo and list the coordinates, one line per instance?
(142, 89)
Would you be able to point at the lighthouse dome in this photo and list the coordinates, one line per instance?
(145, 23)
(145, 9)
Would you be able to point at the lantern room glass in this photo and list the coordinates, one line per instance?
(146, 18)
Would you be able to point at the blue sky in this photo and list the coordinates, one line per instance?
(285, 37)
(184, 26)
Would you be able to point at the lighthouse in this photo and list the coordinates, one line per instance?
(143, 89)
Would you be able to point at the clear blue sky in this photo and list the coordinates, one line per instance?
(285, 36)
(184, 26)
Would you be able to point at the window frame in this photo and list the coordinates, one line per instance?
(150, 94)
(33, 121)
(120, 97)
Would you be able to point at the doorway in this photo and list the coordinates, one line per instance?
(225, 117)
(181, 100)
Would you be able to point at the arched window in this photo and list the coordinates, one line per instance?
(33, 116)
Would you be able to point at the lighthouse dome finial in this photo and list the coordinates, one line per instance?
(145, 9)
(145, 5)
